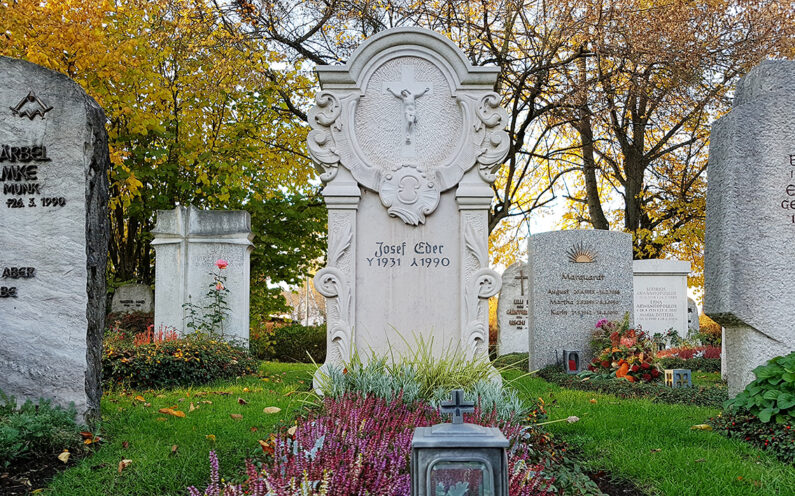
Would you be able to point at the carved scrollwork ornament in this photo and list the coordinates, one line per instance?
(492, 136)
(329, 281)
(488, 283)
(410, 194)
(324, 119)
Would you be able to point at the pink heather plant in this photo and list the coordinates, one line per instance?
(360, 446)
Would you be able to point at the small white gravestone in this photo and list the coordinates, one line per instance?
(660, 288)
(750, 223)
(53, 237)
(408, 137)
(512, 310)
(578, 278)
(132, 298)
(187, 243)
(693, 324)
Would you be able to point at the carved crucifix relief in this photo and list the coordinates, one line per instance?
(408, 90)
(521, 278)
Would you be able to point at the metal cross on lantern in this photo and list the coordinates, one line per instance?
(459, 458)
(457, 406)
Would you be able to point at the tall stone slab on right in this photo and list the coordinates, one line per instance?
(750, 222)
(577, 278)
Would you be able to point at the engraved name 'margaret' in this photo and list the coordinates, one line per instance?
(23, 154)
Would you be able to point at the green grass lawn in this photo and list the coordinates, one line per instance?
(648, 443)
(652, 444)
(145, 436)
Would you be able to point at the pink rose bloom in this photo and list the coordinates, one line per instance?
(219, 286)
(628, 342)
(221, 263)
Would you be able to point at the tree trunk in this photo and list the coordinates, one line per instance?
(583, 124)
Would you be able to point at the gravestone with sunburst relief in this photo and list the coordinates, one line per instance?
(407, 136)
(577, 278)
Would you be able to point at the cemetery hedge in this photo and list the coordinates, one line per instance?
(712, 396)
(701, 363)
(289, 343)
(191, 360)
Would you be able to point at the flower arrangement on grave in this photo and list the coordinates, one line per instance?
(209, 318)
(623, 352)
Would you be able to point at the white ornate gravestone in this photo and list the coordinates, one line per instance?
(750, 224)
(578, 278)
(187, 243)
(512, 310)
(53, 237)
(408, 137)
(660, 288)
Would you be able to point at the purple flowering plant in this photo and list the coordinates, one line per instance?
(360, 444)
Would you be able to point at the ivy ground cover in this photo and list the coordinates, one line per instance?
(654, 446)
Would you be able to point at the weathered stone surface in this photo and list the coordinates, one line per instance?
(132, 298)
(693, 324)
(750, 225)
(578, 278)
(54, 237)
(660, 288)
(187, 244)
(513, 310)
(407, 136)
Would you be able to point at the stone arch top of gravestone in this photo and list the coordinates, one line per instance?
(407, 116)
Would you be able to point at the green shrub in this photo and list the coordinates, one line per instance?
(702, 364)
(771, 396)
(421, 376)
(291, 343)
(36, 430)
(713, 396)
(194, 359)
(778, 438)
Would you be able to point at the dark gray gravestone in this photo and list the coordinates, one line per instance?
(53, 237)
(577, 278)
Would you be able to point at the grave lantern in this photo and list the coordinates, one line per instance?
(459, 459)
(677, 378)
(571, 361)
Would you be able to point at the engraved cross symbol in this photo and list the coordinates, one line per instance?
(457, 406)
(408, 90)
(521, 278)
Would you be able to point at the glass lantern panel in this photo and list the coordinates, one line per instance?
(461, 478)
